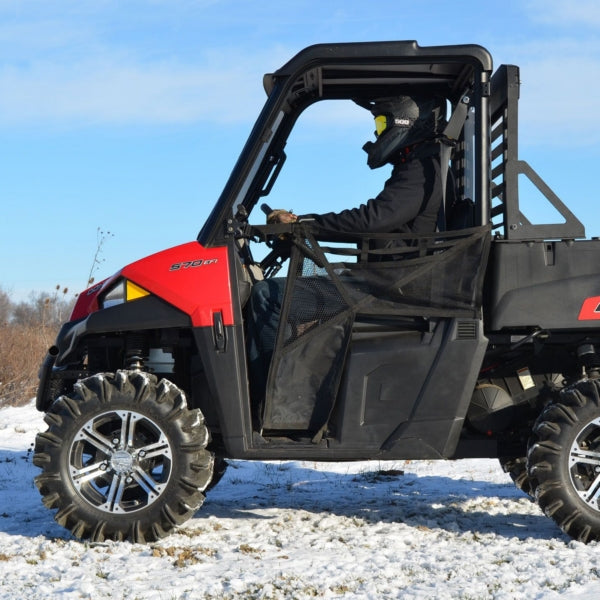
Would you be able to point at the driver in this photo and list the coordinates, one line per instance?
(408, 131)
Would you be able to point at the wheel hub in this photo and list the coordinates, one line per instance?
(120, 461)
(584, 464)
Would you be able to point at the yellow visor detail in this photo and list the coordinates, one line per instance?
(135, 291)
(380, 124)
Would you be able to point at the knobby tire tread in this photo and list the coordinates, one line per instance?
(556, 429)
(166, 405)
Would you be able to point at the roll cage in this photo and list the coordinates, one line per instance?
(485, 159)
(360, 72)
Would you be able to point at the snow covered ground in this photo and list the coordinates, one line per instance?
(421, 529)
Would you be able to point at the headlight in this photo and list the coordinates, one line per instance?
(122, 291)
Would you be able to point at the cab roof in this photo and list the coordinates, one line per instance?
(341, 70)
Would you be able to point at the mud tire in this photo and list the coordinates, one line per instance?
(516, 467)
(123, 458)
(564, 461)
(219, 469)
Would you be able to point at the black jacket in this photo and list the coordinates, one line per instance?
(409, 203)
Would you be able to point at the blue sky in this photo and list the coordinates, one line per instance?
(128, 116)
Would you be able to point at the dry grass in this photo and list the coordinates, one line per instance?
(22, 349)
(29, 328)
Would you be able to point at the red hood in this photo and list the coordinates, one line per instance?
(190, 277)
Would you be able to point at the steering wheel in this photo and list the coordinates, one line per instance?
(280, 249)
(300, 244)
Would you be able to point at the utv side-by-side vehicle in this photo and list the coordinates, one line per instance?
(477, 340)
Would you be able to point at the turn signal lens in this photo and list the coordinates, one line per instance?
(133, 291)
(123, 291)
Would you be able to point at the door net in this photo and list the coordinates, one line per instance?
(332, 282)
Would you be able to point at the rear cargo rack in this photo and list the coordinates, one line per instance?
(508, 220)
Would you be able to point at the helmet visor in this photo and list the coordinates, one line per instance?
(384, 122)
(381, 124)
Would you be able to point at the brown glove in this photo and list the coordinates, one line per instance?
(279, 215)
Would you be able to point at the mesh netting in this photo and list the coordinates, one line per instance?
(433, 275)
(438, 275)
(314, 301)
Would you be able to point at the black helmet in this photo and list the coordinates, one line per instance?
(402, 121)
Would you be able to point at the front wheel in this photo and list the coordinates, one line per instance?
(564, 461)
(123, 458)
(219, 468)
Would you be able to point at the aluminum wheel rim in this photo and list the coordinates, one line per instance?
(120, 461)
(584, 464)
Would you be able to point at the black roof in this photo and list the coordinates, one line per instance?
(347, 66)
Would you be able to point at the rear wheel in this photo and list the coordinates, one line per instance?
(516, 467)
(515, 448)
(564, 461)
(123, 458)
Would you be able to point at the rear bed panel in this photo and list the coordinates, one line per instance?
(550, 285)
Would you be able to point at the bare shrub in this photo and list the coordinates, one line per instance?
(22, 349)
(101, 237)
(5, 307)
(43, 310)
(27, 330)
